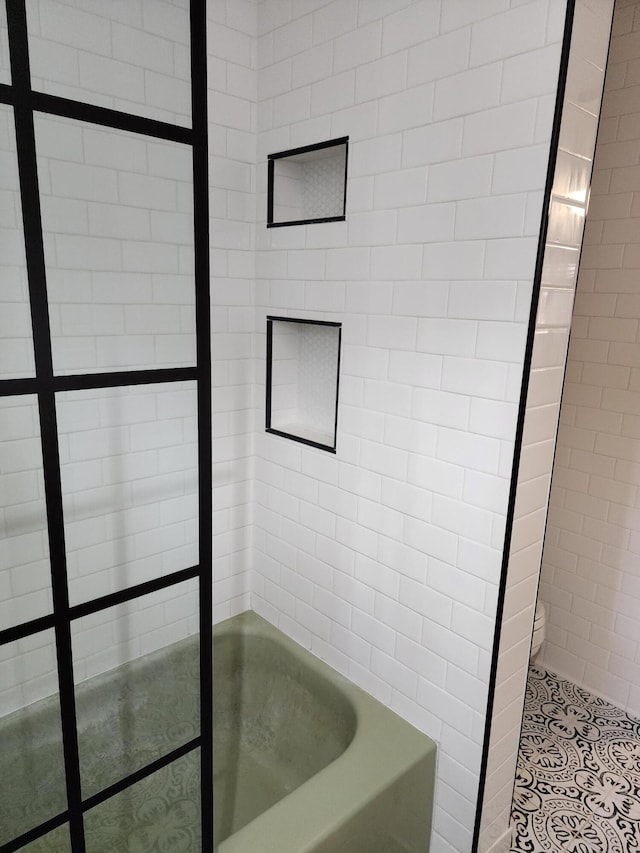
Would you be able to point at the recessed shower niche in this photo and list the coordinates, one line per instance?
(308, 184)
(303, 365)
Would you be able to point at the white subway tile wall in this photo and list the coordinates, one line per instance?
(385, 558)
(590, 574)
(570, 190)
(233, 95)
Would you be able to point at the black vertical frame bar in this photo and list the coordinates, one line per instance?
(269, 378)
(36, 275)
(522, 408)
(205, 456)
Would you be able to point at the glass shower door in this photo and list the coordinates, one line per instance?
(105, 428)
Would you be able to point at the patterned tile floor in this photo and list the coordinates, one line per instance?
(578, 778)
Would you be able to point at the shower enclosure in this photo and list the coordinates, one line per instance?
(105, 462)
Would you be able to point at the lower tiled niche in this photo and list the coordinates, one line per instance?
(303, 365)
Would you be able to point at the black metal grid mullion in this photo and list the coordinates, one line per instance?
(198, 11)
(45, 385)
(32, 224)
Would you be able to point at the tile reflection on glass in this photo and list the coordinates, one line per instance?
(117, 215)
(16, 343)
(129, 483)
(131, 56)
(137, 684)
(25, 574)
(32, 781)
(160, 813)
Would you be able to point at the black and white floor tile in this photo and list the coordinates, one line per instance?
(578, 778)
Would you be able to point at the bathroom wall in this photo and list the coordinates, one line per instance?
(568, 203)
(232, 82)
(591, 564)
(385, 558)
(117, 217)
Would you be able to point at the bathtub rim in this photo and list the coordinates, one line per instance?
(328, 800)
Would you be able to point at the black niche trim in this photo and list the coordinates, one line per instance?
(292, 152)
(331, 448)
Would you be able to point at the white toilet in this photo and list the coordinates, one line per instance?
(539, 626)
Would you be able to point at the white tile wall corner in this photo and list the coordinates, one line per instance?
(567, 211)
(590, 574)
(385, 558)
(232, 83)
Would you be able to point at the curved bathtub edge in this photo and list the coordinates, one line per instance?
(379, 791)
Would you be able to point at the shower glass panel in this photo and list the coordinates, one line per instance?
(105, 428)
(137, 683)
(32, 785)
(160, 813)
(25, 573)
(58, 840)
(5, 72)
(132, 56)
(117, 217)
(129, 463)
(16, 342)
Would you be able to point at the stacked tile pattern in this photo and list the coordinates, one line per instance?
(591, 569)
(385, 559)
(570, 190)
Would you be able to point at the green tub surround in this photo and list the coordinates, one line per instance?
(305, 761)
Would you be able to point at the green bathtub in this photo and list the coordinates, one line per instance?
(305, 761)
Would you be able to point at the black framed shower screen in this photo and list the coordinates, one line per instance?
(46, 384)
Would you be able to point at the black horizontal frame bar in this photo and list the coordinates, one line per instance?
(7, 95)
(122, 378)
(139, 775)
(306, 221)
(77, 611)
(271, 318)
(305, 149)
(26, 629)
(18, 387)
(104, 116)
(87, 381)
(86, 608)
(301, 440)
(37, 832)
